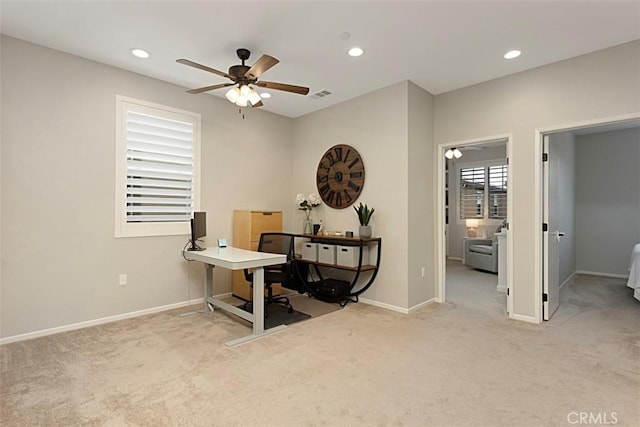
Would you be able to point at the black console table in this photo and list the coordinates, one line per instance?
(334, 290)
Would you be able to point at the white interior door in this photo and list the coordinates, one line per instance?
(551, 238)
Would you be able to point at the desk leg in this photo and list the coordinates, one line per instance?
(258, 312)
(207, 285)
(258, 301)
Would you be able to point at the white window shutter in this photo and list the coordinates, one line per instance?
(498, 191)
(160, 170)
(157, 169)
(472, 185)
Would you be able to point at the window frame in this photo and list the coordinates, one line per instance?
(140, 229)
(486, 164)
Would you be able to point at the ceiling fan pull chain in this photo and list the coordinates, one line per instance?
(240, 112)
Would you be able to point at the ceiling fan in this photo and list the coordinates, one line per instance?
(243, 76)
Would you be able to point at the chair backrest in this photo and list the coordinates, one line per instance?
(277, 243)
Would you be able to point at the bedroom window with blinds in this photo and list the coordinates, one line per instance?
(483, 192)
(157, 169)
(497, 191)
(472, 192)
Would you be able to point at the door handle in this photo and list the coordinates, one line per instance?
(559, 235)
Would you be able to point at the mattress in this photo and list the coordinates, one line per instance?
(634, 271)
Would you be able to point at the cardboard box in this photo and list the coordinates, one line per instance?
(326, 253)
(348, 255)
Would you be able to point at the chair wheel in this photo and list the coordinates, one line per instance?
(290, 310)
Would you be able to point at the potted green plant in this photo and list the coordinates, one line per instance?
(364, 216)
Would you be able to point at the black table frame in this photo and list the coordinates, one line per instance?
(352, 295)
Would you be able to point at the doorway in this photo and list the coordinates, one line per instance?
(589, 222)
(474, 203)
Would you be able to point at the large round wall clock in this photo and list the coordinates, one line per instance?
(340, 176)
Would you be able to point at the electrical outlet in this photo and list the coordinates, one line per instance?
(123, 279)
(422, 272)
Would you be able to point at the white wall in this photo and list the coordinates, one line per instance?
(60, 260)
(377, 126)
(607, 200)
(422, 197)
(591, 87)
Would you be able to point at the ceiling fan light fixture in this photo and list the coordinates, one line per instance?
(254, 98)
(242, 101)
(245, 90)
(233, 94)
(453, 152)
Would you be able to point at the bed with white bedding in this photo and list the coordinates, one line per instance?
(634, 271)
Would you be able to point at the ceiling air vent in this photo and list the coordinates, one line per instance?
(320, 94)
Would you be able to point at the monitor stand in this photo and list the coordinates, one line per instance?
(195, 247)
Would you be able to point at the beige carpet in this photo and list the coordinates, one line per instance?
(444, 365)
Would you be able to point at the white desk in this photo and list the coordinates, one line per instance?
(238, 259)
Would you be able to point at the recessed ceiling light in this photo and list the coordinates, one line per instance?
(512, 54)
(355, 51)
(140, 53)
(265, 95)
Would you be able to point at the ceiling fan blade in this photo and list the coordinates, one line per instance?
(263, 64)
(285, 87)
(202, 67)
(257, 104)
(208, 88)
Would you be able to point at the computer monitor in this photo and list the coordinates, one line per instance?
(198, 230)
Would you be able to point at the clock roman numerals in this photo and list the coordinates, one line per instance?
(355, 187)
(324, 190)
(338, 199)
(340, 176)
(353, 163)
(338, 152)
(347, 197)
(329, 156)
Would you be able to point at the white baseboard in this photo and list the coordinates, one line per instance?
(596, 273)
(569, 279)
(453, 258)
(422, 304)
(95, 322)
(384, 305)
(395, 307)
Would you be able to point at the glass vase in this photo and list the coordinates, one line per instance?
(307, 226)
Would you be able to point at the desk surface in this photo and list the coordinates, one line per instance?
(234, 258)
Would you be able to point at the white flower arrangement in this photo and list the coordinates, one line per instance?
(307, 204)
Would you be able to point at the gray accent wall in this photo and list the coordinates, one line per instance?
(607, 200)
(562, 146)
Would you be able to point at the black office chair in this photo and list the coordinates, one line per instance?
(275, 243)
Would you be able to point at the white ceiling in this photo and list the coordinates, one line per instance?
(439, 45)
